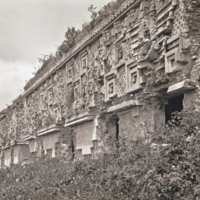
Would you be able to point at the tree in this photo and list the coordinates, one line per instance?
(45, 60)
(70, 39)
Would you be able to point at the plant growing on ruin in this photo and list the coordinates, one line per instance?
(162, 166)
(69, 41)
(44, 61)
(72, 36)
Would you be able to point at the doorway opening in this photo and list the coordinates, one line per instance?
(174, 104)
(117, 128)
(113, 127)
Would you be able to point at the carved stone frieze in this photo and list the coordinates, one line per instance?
(141, 51)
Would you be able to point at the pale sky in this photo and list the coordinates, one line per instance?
(29, 28)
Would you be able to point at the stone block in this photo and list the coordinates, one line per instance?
(6, 153)
(49, 142)
(50, 137)
(110, 86)
(70, 71)
(180, 88)
(32, 142)
(136, 111)
(15, 153)
(76, 89)
(85, 135)
(32, 146)
(129, 126)
(81, 118)
(134, 77)
(123, 106)
(21, 153)
(177, 57)
(171, 64)
(86, 151)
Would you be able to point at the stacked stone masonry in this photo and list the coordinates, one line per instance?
(125, 77)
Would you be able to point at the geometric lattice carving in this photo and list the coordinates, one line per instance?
(180, 24)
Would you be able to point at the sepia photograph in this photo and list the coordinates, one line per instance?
(100, 100)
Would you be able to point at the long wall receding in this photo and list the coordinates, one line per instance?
(125, 77)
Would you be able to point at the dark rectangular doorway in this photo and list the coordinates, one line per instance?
(174, 104)
(117, 129)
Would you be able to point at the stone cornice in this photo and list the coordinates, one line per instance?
(79, 119)
(123, 106)
(15, 143)
(49, 130)
(6, 147)
(19, 142)
(29, 137)
(180, 88)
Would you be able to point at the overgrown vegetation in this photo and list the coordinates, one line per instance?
(70, 37)
(164, 165)
(73, 35)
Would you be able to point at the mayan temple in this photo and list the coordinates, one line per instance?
(124, 77)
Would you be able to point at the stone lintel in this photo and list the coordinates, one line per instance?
(48, 131)
(49, 128)
(6, 147)
(180, 87)
(123, 106)
(79, 120)
(77, 117)
(19, 142)
(29, 137)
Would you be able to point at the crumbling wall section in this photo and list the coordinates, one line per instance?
(192, 9)
(12, 122)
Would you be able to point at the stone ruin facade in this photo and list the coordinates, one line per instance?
(125, 77)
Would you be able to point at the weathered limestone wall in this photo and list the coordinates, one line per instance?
(192, 9)
(21, 153)
(12, 122)
(118, 80)
(32, 146)
(49, 142)
(16, 152)
(135, 122)
(7, 157)
(85, 135)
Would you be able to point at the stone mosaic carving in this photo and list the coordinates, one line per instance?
(138, 52)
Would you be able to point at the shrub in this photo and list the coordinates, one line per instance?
(164, 165)
(69, 41)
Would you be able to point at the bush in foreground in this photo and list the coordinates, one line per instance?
(164, 165)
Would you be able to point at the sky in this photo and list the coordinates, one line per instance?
(30, 29)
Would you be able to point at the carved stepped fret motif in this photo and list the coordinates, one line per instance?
(122, 74)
